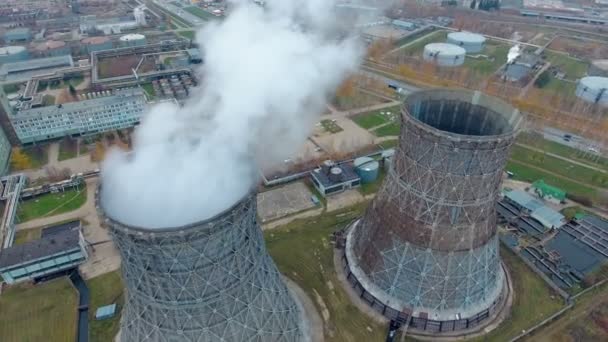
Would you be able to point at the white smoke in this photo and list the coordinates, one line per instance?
(266, 75)
(514, 52)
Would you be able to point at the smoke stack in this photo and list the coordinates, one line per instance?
(427, 245)
(208, 281)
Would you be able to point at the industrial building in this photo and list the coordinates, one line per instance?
(521, 67)
(52, 48)
(60, 251)
(443, 54)
(92, 44)
(548, 192)
(102, 112)
(5, 151)
(332, 178)
(593, 89)
(18, 35)
(471, 42)
(25, 70)
(207, 281)
(132, 39)
(425, 253)
(548, 217)
(10, 54)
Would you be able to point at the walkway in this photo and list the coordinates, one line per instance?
(83, 306)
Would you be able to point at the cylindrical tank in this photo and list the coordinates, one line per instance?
(427, 244)
(335, 174)
(471, 42)
(51, 48)
(443, 54)
(207, 281)
(92, 44)
(593, 89)
(9, 54)
(367, 169)
(598, 67)
(133, 39)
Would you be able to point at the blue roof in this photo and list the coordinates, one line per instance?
(105, 311)
(524, 199)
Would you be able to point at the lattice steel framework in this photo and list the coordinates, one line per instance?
(209, 281)
(428, 241)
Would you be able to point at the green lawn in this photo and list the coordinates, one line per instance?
(534, 301)
(105, 289)
(48, 100)
(45, 312)
(200, 13)
(149, 89)
(187, 34)
(391, 129)
(25, 235)
(385, 145)
(330, 126)
(38, 155)
(416, 46)
(537, 141)
(303, 253)
(496, 53)
(560, 167)
(528, 174)
(375, 118)
(573, 68)
(68, 149)
(52, 204)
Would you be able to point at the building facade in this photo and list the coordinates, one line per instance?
(121, 110)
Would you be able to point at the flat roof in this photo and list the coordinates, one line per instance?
(348, 175)
(41, 248)
(38, 63)
(538, 210)
(59, 228)
(118, 97)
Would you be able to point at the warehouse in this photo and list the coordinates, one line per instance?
(549, 218)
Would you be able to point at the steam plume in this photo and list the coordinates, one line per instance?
(266, 75)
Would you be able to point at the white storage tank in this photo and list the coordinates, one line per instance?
(471, 42)
(133, 39)
(444, 54)
(593, 89)
(9, 54)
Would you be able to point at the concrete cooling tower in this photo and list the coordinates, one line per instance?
(207, 281)
(425, 253)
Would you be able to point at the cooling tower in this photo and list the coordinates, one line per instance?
(425, 252)
(208, 281)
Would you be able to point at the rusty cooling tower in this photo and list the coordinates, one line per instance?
(427, 247)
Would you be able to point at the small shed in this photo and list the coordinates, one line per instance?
(105, 312)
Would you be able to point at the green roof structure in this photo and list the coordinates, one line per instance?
(547, 191)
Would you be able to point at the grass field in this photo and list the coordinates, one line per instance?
(549, 146)
(391, 129)
(38, 155)
(105, 289)
(560, 167)
(25, 235)
(416, 46)
(45, 312)
(303, 253)
(52, 204)
(534, 301)
(587, 321)
(357, 100)
(528, 174)
(11, 88)
(68, 149)
(200, 13)
(573, 68)
(496, 53)
(149, 89)
(375, 118)
(330, 126)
